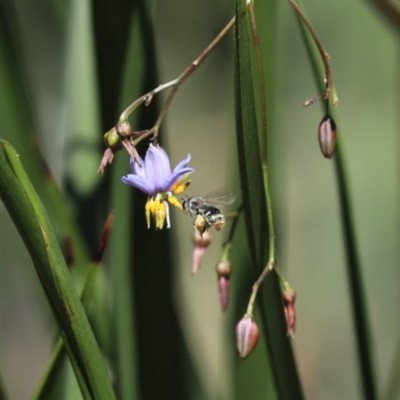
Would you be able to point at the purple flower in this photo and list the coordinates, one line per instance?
(156, 179)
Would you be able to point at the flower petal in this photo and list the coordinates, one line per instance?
(157, 167)
(136, 169)
(139, 183)
(183, 163)
(174, 177)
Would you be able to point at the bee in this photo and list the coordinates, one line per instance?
(205, 210)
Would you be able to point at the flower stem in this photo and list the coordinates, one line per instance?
(228, 244)
(283, 280)
(264, 134)
(181, 78)
(271, 229)
(145, 98)
(358, 299)
(260, 71)
(389, 10)
(264, 154)
(235, 216)
(330, 90)
(121, 136)
(269, 267)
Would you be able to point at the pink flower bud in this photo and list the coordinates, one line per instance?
(223, 291)
(246, 336)
(223, 268)
(289, 298)
(200, 245)
(201, 241)
(327, 136)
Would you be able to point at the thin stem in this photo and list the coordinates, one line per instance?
(283, 280)
(271, 229)
(121, 136)
(269, 267)
(330, 87)
(260, 71)
(235, 221)
(145, 98)
(264, 134)
(389, 10)
(181, 78)
(358, 299)
(264, 155)
(228, 244)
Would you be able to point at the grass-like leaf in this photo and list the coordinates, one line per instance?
(280, 352)
(49, 383)
(357, 294)
(34, 226)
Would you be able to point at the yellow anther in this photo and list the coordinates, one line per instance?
(175, 202)
(180, 186)
(160, 216)
(148, 210)
(148, 219)
(155, 206)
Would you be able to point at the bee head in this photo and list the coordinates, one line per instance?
(185, 202)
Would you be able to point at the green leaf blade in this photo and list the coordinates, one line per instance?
(270, 298)
(37, 233)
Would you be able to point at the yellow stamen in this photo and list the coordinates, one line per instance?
(155, 206)
(175, 202)
(181, 185)
(160, 216)
(148, 210)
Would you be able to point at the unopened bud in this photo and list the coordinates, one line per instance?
(289, 297)
(246, 336)
(327, 136)
(224, 287)
(200, 242)
(111, 139)
(223, 268)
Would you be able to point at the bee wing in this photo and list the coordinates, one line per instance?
(220, 197)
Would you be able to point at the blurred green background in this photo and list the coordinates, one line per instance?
(54, 44)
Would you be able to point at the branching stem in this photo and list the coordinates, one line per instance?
(330, 90)
(269, 267)
(176, 83)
